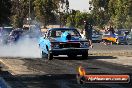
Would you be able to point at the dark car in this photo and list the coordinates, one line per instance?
(122, 36)
(4, 33)
(63, 41)
(15, 35)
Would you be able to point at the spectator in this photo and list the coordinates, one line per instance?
(82, 34)
(88, 32)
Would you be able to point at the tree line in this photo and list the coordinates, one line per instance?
(116, 13)
(112, 12)
(17, 12)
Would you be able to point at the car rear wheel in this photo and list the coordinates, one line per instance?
(44, 55)
(85, 55)
(50, 56)
(126, 43)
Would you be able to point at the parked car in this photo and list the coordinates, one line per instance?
(114, 38)
(129, 38)
(122, 36)
(96, 37)
(63, 41)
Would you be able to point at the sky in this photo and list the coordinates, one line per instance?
(82, 5)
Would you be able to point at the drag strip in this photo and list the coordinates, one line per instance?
(28, 72)
(61, 72)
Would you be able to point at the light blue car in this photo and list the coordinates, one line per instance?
(63, 41)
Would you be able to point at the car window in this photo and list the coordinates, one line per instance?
(73, 33)
(58, 33)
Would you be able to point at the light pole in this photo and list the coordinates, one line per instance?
(29, 14)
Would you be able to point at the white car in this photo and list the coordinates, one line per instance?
(96, 38)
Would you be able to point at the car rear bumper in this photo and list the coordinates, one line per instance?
(122, 41)
(66, 51)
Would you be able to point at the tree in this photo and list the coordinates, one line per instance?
(81, 17)
(44, 11)
(77, 18)
(5, 6)
(47, 10)
(116, 13)
(121, 14)
(19, 12)
(100, 12)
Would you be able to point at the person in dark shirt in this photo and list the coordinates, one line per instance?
(111, 29)
(88, 32)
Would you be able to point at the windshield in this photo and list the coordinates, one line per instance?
(58, 33)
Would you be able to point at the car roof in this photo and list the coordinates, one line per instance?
(62, 29)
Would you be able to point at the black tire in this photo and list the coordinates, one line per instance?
(50, 56)
(85, 55)
(126, 43)
(44, 55)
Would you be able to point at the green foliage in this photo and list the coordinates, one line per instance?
(100, 12)
(19, 12)
(117, 13)
(44, 11)
(77, 18)
(128, 23)
(112, 12)
(5, 12)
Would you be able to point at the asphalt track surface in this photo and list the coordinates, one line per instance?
(61, 72)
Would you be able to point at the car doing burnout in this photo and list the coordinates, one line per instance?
(63, 41)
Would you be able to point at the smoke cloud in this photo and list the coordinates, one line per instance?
(26, 47)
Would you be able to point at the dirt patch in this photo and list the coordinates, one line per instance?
(16, 66)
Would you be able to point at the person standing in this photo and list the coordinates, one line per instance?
(88, 28)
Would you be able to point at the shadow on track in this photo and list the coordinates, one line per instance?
(102, 57)
(90, 57)
(64, 57)
(50, 80)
